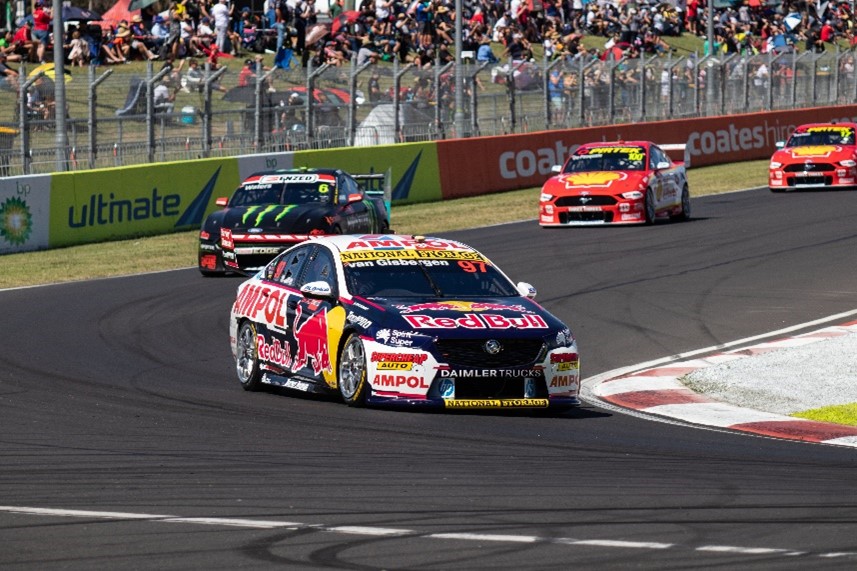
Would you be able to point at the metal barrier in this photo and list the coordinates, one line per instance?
(114, 119)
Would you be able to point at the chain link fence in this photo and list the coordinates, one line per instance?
(115, 117)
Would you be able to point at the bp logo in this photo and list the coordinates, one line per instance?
(16, 222)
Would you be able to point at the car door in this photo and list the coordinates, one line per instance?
(666, 191)
(353, 209)
(276, 345)
(312, 355)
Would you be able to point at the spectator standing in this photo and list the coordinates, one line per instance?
(78, 50)
(283, 18)
(221, 14)
(41, 28)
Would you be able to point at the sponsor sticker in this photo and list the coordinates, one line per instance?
(493, 403)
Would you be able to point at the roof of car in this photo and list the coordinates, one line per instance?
(301, 170)
(618, 144)
(812, 125)
(391, 242)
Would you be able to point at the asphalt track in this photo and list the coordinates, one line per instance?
(126, 442)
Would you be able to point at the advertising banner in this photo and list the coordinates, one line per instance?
(414, 167)
(24, 213)
(125, 202)
(522, 161)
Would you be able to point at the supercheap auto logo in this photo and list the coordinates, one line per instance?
(16, 221)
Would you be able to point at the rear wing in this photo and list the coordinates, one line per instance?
(377, 185)
(676, 148)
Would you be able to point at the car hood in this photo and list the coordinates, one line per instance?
(595, 182)
(486, 317)
(284, 218)
(817, 153)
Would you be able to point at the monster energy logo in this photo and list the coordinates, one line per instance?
(261, 211)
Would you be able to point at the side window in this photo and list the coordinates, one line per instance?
(320, 267)
(657, 156)
(287, 268)
(347, 185)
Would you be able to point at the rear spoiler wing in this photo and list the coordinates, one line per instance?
(378, 184)
(679, 147)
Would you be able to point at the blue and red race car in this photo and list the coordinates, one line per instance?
(620, 182)
(401, 321)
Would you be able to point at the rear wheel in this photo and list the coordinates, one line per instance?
(352, 372)
(247, 358)
(650, 206)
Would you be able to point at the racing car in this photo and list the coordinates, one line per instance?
(403, 321)
(817, 155)
(620, 182)
(272, 210)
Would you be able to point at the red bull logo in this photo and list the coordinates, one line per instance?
(476, 321)
(460, 306)
(311, 338)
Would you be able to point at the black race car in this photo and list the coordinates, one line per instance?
(273, 210)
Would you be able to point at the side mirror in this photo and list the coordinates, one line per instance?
(526, 290)
(317, 290)
(662, 165)
(556, 169)
(355, 197)
(781, 144)
(222, 201)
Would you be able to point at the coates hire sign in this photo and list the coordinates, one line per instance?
(512, 162)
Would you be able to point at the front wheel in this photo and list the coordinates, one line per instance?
(247, 358)
(684, 215)
(650, 206)
(352, 372)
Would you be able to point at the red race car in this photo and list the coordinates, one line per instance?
(817, 155)
(621, 182)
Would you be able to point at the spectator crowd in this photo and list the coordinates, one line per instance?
(422, 32)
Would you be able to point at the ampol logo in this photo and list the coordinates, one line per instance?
(597, 179)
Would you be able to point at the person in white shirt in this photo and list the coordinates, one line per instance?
(221, 13)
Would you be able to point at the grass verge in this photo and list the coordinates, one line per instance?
(837, 414)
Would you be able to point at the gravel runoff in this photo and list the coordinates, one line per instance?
(787, 380)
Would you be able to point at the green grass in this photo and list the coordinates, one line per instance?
(837, 414)
(179, 250)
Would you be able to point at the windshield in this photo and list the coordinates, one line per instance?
(827, 135)
(589, 159)
(284, 189)
(426, 278)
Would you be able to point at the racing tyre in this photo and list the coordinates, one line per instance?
(684, 215)
(352, 372)
(650, 206)
(247, 358)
